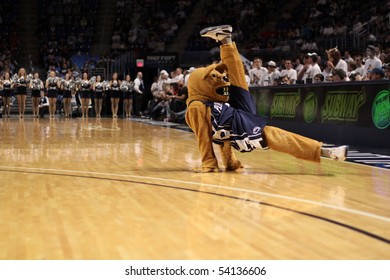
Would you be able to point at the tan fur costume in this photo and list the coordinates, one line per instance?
(202, 86)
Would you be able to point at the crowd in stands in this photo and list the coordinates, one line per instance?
(311, 23)
(66, 27)
(148, 25)
(314, 68)
(9, 45)
(169, 96)
(244, 15)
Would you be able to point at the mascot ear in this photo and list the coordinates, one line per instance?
(221, 67)
(207, 71)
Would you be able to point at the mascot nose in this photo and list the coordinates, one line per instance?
(225, 79)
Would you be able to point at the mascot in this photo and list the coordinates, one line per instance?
(220, 110)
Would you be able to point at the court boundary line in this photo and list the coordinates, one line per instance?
(329, 220)
(267, 194)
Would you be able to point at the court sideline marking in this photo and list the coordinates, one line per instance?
(334, 207)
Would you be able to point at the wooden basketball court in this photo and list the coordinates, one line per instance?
(120, 189)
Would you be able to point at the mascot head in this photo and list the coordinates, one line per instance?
(334, 55)
(209, 84)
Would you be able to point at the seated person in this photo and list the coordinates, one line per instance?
(43, 105)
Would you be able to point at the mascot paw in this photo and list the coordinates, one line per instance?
(234, 166)
(205, 169)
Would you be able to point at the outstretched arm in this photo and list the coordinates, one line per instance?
(198, 118)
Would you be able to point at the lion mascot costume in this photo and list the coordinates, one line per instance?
(220, 110)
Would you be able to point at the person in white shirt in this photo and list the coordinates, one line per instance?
(272, 75)
(256, 72)
(359, 65)
(163, 79)
(371, 62)
(347, 57)
(289, 72)
(335, 61)
(315, 68)
(179, 77)
(298, 65)
(187, 76)
(139, 90)
(303, 74)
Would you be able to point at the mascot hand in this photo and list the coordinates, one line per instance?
(234, 166)
(205, 170)
(229, 158)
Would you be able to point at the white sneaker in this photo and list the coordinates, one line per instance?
(218, 33)
(339, 153)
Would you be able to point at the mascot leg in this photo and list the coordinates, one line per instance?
(231, 57)
(293, 144)
(300, 146)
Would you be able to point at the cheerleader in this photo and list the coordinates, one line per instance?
(67, 84)
(85, 92)
(6, 84)
(127, 88)
(98, 88)
(52, 86)
(36, 86)
(114, 94)
(21, 84)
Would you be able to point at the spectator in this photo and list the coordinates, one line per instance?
(339, 75)
(315, 68)
(289, 72)
(386, 68)
(304, 73)
(257, 71)
(377, 74)
(319, 78)
(139, 90)
(43, 105)
(271, 77)
(335, 61)
(359, 65)
(371, 62)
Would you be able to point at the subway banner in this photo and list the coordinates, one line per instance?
(355, 108)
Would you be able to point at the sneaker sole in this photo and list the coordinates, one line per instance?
(212, 28)
(344, 157)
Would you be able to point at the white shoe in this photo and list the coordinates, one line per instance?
(338, 153)
(218, 33)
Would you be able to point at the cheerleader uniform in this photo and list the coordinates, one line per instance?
(127, 88)
(21, 86)
(85, 89)
(7, 90)
(67, 84)
(115, 89)
(37, 86)
(99, 90)
(52, 91)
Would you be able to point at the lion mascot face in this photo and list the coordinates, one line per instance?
(209, 84)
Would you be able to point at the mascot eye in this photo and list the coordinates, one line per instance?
(213, 75)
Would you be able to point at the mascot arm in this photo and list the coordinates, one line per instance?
(229, 158)
(198, 117)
